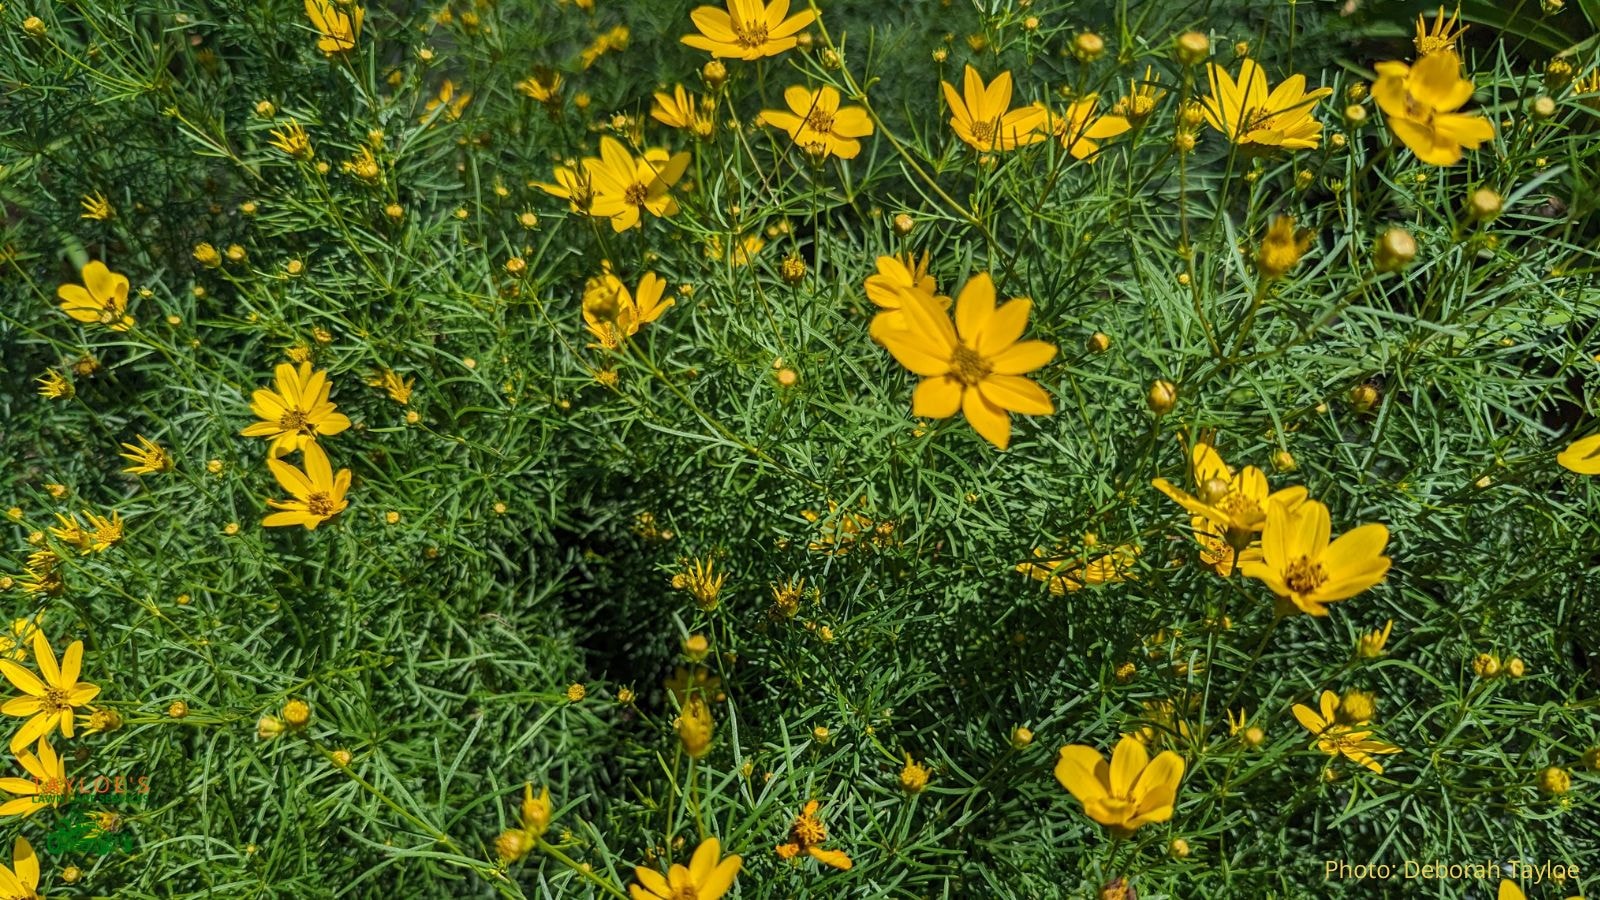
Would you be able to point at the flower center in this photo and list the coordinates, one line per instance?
(809, 830)
(1305, 575)
(820, 121)
(968, 367)
(1239, 507)
(636, 194)
(983, 131)
(107, 315)
(1418, 110)
(751, 34)
(686, 892)
(1257, 119)
(293, 420)
(319, 504)
(55, 699)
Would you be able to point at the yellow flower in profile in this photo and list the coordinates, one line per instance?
(338, 29)
(1252, 116)
(571, 184)
(97, 207)
(535, 812)
(896, 274)
(708, 876)
(626, 186)
(23, 883)
(747, 29)
(683, 111)
(297, 412)
(806, 836)
(974, 365)
(46, 785)
(1306, 571)
(701, 581)
(613, 314)
(398, 388)
(914, 776)
(1443, 35)
(543, 86)
(695, 727)
(102, 299)
(1419, 102)
(1582, 456)
(48, 703)
(1281, 247)
(293, 140)
(1231, 506)
(54, 386)
(1371, 644)
(148, 457)
(452, 104)
(363, 166)
(1080, 130)
(1131, 791)
(318, 492)
(1338, 738)
(818, 124)
(1106, 568)
(981, 115)
(15, 644)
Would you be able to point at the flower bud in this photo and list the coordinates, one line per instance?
(512, 845)
(903, 224)
(268, 727)
(715, 73)
(1395, 250)
(1193, 48)
(792, 269)
(1161, 397)
(1542, 107)
(1486, 666)
(1484, 205)
(1363, 397)
(1099, 342)
(1021, 737)
(296, 714)
(1088, 46)
(1179, 848)
(34, 26)
(1555, 780)
(207, 255)
(536, 811)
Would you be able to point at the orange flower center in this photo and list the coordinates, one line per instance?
(751, 34)
(319, 504)
(636, 194)
(820, 121)
(968, 367)
(1305, 575)
(809, 831)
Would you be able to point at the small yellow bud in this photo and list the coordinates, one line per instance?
(1542, 107)
(528, 220)
(792, 269)
(516, 265)
(268, 727)
(178, 710)
(340, 758)
(625, 696)
(695, 646)
(821, 734)
(536, 811)
(1099, 342)
(1395, 250)
(914, 777)
(1253, 736)
(207, 255)
(265, 109)
(1486, 666)
(71, 874)
(1355, 115)
(576, 692)
(1161, 397)
(34, 26)
(715, 73)
(1555, 780)
(1088, 46)
(903, 224)
(1363, 397)
(1557, 74)
(1193, 48)
(1484, 205)
(512, 845)
(296, 714)
(1515, 667)
(236, 254)
(1179, 848)
(1021, 737)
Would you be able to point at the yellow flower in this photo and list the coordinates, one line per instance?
(544, 86)
(695, 727)
(97, 207)
(1443, 35)
(1336, 738)
(816, 120)
(338, 29)
(1281, 247)
(1582, 456)
(572, 184)
(708, 876)
(294, 414)
(453, 105)
(896, 274)
(45, 786)
(363, 166)
(48, 703)
(1250, 115)
(1231, 507)
(22, 884)
(535, 812)
(747, 29)
(1300, 565)
(1106, 568)
(14, 645)
(1371, 644)
(1420, 104)
(101, 299)
(624, 185)
(1080, 130)
(615, 39)
(292, 139)
(54, 386)
(613, 314)
(1143, 95)
(1131, 791)
(148, 458)
(398, 389)
(914, 776)
(982, 116)
(682, 111)
(701, 581)
(807, 834)
(318, 492)
(974, 365)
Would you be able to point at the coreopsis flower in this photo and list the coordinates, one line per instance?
(1117, 565)
(701, 581)
(747, 29)
(613, 314)
(14, 644)
(614, 39)
(1132, 790)
(681, 110)
(1252, 116)
(625, 186)
(543, 86)
(293, 140)
(708, 876)
(1582, 456)
(398, 389)
(363, 166)
(1442, 36)
(686, 683)
(42, 575)
(896, 274)
(1371, 644)
(806, 836)
(46, 785)
(96, 207)
(1080, 130)
(338, 29)
(1340, 738)
(1142, 97)
(974, 365)
(818, 124)
(695, 727)
(1281, 247)
(447, 99)
(296, 412)
(54, 386)
(535, 812)
(1231, 507)
(914, 776)
(147, 456)
(21, 879)
(48, 703)
(571, 184)
(102, 299)
(982, 117)
(1304, 570)
(318, 492)
(101, 534)
(1420, 101)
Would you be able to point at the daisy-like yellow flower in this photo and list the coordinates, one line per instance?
(708, 876)
(974, 365)
(625, 186)
(297, 412)
(1307, 572)
(338, 29)
(453, 105)
(293, 140)
(23, 883)
(896, 274)
(101, 534)
(1080, 130)
(613, 314)
(571, 184)
(1582, 456)
(1442, 36)
(13, 645)
(147, 456)
(1281, 247)
(102, 299)
(47, 703)
(543, 86)
(1106, 568)
(71, 532)
(701, 581)
(398, 389)
(97, 207)
(818, 124)
(806, 836)
(683, 111)
(1339, 738)
(1371, 644)
(1232, 505)
(1252, 116)
(1142, 97)
(54, 386)
(318, 492)
(46, 785)
(363, 166)
(747, 29)
(1419, 102)
(981, 115)
(1132, 790)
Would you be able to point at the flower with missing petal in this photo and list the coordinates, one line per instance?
(1420, 101)
(1228, 507)
(1339, 738)
(448, 100)
(708, 876)
(681, 110)
(747, 29)
(46, 784)
(1131, 791)
(102, 299)
(1080, 130)
(318, 492)
(806, 836)
(1307, 572)
(1582, 456)
(1252, 116)
(982, 117)
(975, 364)
(48, 702)
(816, 120)
(297, 412)
(613, 314)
